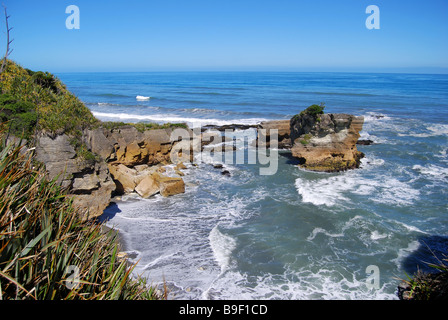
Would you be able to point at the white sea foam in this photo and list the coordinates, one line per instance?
(336, 190)
(142, 98)
(439, 129)
(375, 235)
(375, 116)
(324, 191)
(432, 130)
(158, 259)
(432, 170)
(316, 231)
(222, 246)
(175, 118)
(370, 161)
(323, 284)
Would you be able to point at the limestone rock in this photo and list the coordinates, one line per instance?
(86, 183)
(180, 165)
(169, 185)
(283, 132)
(98, 142)
(58, 156)
(124, 177)
(147, 187)
(327, 142)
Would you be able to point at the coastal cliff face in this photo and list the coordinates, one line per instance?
(122, 160)
(326, 142)
(283, 133)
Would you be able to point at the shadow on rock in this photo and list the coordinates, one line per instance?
(109, 213)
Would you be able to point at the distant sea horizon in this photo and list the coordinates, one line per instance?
(385, 70)
(296, 234)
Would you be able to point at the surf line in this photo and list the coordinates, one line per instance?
(188, 145)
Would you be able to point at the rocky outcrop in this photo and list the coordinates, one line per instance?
(283, 133)
(146, 180)
(88, 181)
(326, 142)
(122, 160)
(130, 147)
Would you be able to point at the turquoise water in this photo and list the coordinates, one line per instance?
(294, 234)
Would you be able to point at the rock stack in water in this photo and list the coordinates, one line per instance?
(326, 142)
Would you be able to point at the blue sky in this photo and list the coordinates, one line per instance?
(280, 35)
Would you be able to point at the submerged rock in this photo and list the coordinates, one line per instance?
(225, 173)
(366, 142)
(326, 142)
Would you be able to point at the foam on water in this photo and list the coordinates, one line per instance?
(324, 284)
(297, 234)
(337, 189)
(316, 231)
(432, 170)
(175, 118)
(222, 246)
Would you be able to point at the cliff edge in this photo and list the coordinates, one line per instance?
(326, 142)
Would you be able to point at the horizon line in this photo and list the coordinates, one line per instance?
(422, 70)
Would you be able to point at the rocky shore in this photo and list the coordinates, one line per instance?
(124, 160)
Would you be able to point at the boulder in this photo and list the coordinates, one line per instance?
(124, 177)
(169, 185)
(180, 165)
(58, 156)
(147, 187)
(326, 142)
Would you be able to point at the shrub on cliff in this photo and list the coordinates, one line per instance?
(57, 109)
(46, 250)
(314, 110)
(426, 286)
(20, 117)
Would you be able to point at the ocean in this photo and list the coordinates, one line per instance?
(294, 234)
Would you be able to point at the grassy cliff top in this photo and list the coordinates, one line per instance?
(40, 99)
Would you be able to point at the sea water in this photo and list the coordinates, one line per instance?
(295, 234)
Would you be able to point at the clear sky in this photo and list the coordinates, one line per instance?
(275, 35)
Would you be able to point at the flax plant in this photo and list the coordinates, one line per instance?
(43, 240)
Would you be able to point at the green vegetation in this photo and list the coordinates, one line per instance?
(141, 126)
(20, 116)
(38, 101)
(49, 105)
(306, 139)
(47, 251)
(313, 110)
(429, 286)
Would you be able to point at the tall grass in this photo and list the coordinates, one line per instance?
(47, 251)
(428, 286)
